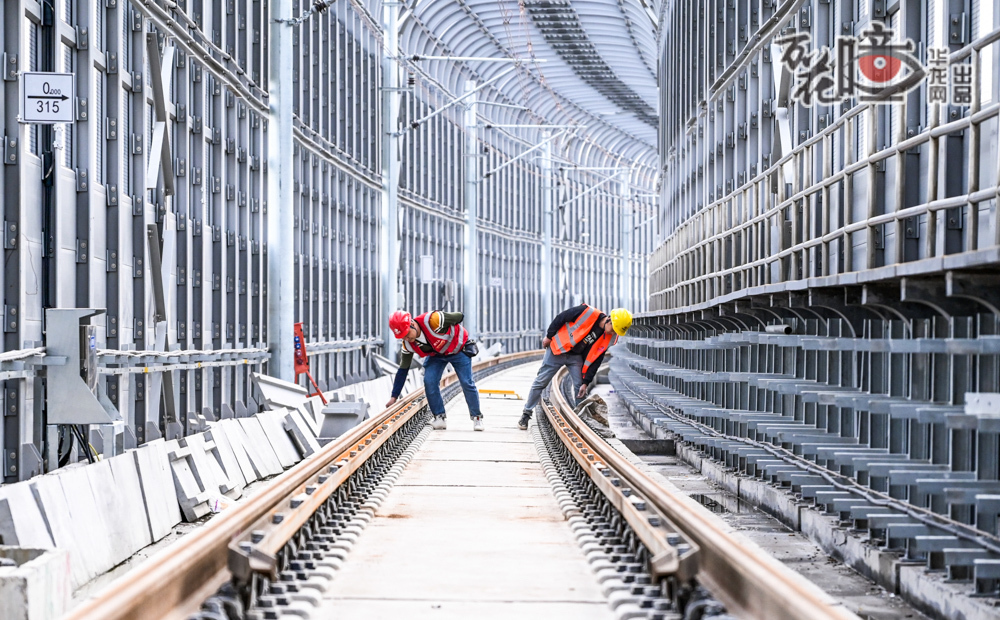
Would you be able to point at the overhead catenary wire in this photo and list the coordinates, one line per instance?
(317, 7)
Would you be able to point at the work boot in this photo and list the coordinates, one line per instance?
(439, 423)
(523, 422)
(477, 423)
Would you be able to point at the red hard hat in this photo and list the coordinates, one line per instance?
(399, 323)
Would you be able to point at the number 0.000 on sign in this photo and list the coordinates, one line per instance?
(47, 97)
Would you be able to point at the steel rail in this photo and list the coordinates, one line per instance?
(750, 582)
(175, 582)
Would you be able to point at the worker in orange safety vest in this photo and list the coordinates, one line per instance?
(578, 338)
(440, 339)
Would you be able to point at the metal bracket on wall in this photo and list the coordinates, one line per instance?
(73, 396)
(160, 322)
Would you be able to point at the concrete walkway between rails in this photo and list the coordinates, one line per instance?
(470, 530)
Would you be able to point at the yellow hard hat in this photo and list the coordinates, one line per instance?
(621, 320)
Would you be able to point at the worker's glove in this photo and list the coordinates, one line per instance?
(582, 392)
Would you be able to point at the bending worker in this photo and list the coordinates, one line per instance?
(440, 339)
(577, 338)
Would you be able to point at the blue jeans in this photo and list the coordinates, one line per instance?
(550, 366)
(433, 369)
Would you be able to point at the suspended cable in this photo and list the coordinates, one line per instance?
(317, 7)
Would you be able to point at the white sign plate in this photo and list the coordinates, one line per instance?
(494, 281)
(47, 98)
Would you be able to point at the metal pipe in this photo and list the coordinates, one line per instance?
(389, 233)
(281, 199)
(760, 38)
(625, 225)
(548, 187)
(471, 251)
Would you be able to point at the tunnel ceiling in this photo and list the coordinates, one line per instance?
(598, 58)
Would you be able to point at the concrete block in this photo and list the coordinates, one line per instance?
(132, 506)
(92, 532)
(304, 417)
(276, 393)
(67, 502)
(51, 500)
(208, 465)
(193, 487)
(299, 432)
(310, 413)
(311, 409)
(21, 522)
(156, 480)
(262, 455)
(234, 435)
(272, 423)
(234, 469)
(381, 389)
(37, 587)
(124, 532)
(340, 417)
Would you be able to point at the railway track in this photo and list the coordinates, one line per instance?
(679, 546)
(655, 554)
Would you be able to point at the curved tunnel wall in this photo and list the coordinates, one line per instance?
(87, 243)
(826, 284)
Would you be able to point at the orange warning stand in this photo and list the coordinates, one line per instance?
(302, 361)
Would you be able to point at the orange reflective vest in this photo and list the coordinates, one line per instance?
(572, 334)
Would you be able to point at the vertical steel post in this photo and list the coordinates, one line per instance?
(471, 271)
(624, 297)
(280, 180)
(389, 239)
(548, 187)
